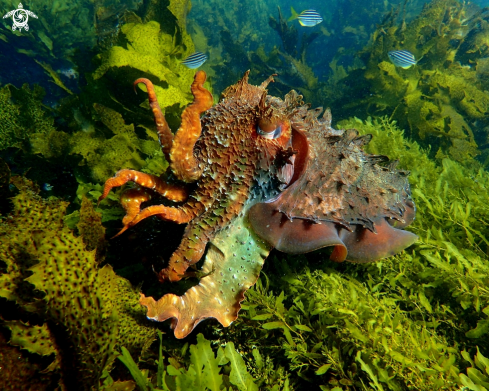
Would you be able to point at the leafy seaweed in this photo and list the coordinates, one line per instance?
(204, 372)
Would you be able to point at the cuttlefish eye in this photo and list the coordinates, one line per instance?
(269, 129)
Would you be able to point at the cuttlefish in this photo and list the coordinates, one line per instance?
(265, 173)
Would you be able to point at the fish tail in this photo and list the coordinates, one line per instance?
(294, 14)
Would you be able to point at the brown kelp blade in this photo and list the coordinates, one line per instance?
(234, 261)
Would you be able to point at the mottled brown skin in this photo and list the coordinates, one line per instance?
(223, 154)
(340, 197)
(265, 172)
(308, 185)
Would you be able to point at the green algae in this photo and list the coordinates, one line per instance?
(111, 145)
(22, 114)
(35, 339)
(344, 328)
(152, 52)
(441, 101)
(87, 310)
(206, 370)
(335, 321)
(54, 76)
(97, 133)
(62, 25)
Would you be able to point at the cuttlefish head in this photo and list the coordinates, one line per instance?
(338, 196)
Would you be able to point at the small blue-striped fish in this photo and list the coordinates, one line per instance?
(402, 58)
(195, 60)
(307, 18)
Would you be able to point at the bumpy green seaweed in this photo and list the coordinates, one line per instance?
(87, 311)
(335, 324)
(112, 145)
(97, 117)
(152, 52)
(22, 114)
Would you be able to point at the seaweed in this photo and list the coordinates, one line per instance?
(441, 100)
(418, 320)
(206, 370)
(340, 330)
(84, 311)
(22, 114)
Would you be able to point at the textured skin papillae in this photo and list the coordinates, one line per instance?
(267, 173)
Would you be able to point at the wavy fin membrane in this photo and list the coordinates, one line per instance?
(234, 260)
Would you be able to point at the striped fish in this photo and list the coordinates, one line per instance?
(402, 58)
(307, 18)
(195, 60)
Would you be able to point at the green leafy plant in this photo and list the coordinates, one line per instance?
(206, 370)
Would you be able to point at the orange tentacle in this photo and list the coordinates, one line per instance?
(178, 215)
(131, 201)
(164, 132)
(188, 253)
(170, 191)
(183, 163)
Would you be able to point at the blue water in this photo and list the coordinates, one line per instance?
(347, 27)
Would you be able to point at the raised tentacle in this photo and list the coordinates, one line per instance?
(170, 191)
(164, 132)
(182, 160)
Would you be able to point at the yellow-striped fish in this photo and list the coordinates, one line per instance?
(307, 18)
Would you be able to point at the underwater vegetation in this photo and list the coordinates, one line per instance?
(441, 101)
(60, 39)
(246, 23)
(22, 115)
(204, 371)
(350, 333)
(70, 311)
(92, 136)
(67, 307)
